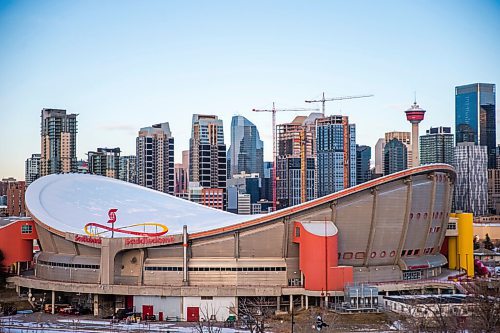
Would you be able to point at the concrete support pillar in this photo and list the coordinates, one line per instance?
(387, 293)
(307, 302)
(18, 268)
(53, 301)
(453, 291)
(439, 291)
(278, 303)
(422, 291)
(291, 303)
(96, 305)
(301, 301)
(326, 302)
(18, 290)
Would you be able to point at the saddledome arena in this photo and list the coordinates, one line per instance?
(109, 239)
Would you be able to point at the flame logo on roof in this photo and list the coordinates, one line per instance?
(97, 230)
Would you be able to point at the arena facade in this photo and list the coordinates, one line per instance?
(108, 239)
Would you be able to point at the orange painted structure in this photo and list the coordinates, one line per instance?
(16, 242)
(318, 257)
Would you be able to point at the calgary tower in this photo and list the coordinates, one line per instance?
(415, 115)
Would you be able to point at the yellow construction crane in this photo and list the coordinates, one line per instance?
(323, 100)
(273, 113)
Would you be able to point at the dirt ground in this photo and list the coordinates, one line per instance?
(304, 321)
(9, 297)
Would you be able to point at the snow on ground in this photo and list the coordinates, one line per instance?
(16, 324)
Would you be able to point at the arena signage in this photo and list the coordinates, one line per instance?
(88, 239)
(146, 229)
(149, 241)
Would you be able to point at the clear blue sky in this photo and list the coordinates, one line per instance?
(122, 65)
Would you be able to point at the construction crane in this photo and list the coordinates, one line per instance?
(273, 113)
(323, 100)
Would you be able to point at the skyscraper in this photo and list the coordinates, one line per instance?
(181, 171)
(471, 188)
(58, 134)
(363, 156)
(336, 154)
(32, 170)
(128, 169)
(207, 153)
(405, 139)
(155, 158)
(246, 153)
(296, 171)
(105, 162)
(266, 190)
(494, 191)
(475, 118)
(395, 156)
(379, 157)
(436, 146)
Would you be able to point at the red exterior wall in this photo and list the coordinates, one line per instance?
(318, 261)
(15, 245)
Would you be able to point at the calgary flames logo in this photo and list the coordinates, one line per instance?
(96, 229)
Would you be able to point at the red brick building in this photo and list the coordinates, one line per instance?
(15, 198)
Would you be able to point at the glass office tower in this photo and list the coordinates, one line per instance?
(475, 119)
(246, 153)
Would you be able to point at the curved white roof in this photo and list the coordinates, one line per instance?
(67, 202)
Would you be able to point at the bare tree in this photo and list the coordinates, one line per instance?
(485, 296)
(254, 312)
(207, 322)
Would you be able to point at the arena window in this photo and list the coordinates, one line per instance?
(359, 255)
(66, 265)
(348, 255)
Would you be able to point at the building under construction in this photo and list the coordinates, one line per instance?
(296, 161)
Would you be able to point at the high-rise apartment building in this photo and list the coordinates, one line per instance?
(105, 162)
(207, 153)
(58, 136)
(128, 169)
(32, 169)
(395, 156)
(475, 117)
(471, 186)
(155, 158)
(437, 146)
(296, 170)
(246, 153)
(336, 154)
(363, 156)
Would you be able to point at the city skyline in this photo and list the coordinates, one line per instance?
(123, 74)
